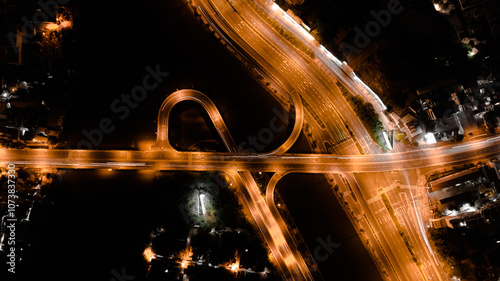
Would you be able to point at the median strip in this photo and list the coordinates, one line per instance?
(401, 229)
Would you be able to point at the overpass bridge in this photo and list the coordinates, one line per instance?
(162, 156)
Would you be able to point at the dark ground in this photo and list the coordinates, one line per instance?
(117, 41)
(318, 214)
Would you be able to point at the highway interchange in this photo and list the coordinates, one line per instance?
(297, 79)
(239, 165)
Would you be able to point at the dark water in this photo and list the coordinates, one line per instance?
(318, 215)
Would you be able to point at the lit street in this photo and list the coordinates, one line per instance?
(163, 157)
(410, 163)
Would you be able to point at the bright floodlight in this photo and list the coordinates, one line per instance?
(465, 207)
(386, 138)
(149, 254)
(202, 203)
(430, 138)
(234, 267)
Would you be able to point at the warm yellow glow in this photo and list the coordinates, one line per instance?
(185, 256)
(145, 144)
(234, 267)
(149, 254)
(61, 25)
(289, 260)
(51, 26)
(65, 24)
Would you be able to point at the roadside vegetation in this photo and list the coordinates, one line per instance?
(401, 137)
(416, 48)
(470, 254)
(367, 115)
(442, 240)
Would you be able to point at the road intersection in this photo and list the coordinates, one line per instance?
(309, 86)
(239, 165)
